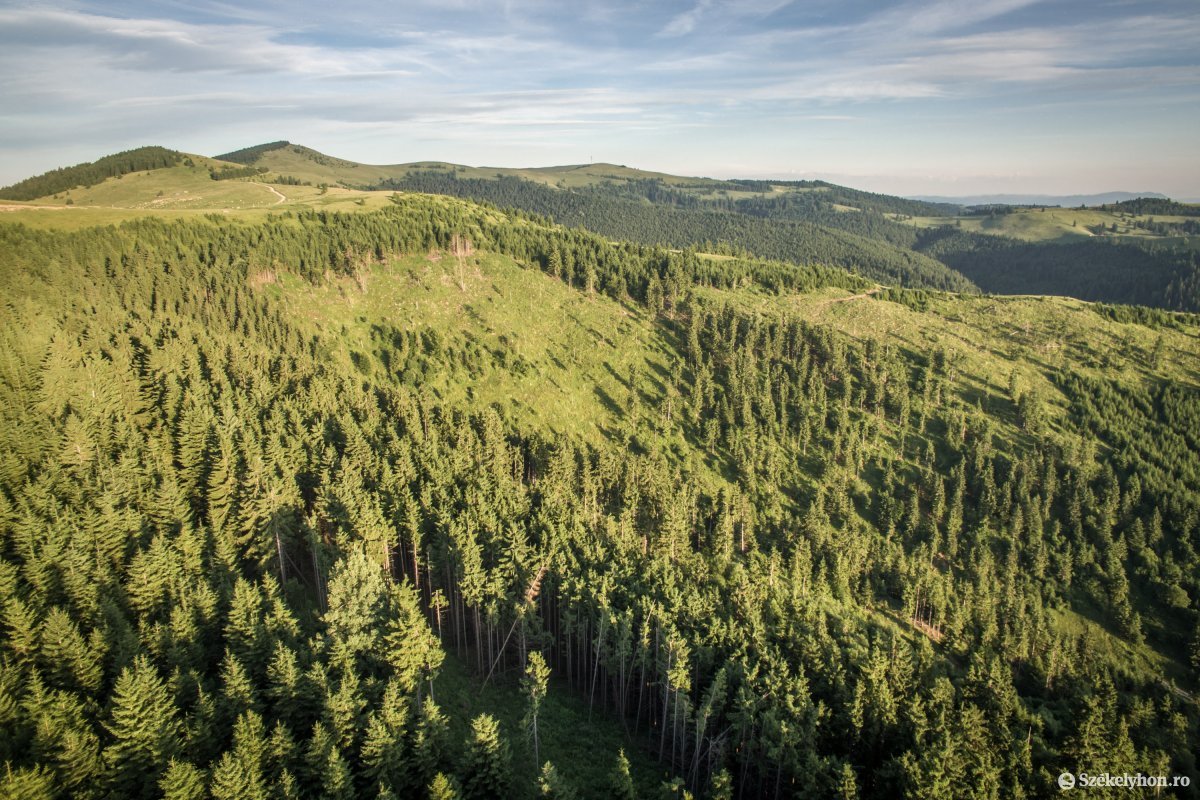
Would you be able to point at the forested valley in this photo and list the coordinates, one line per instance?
(1152, 274)
(672, 221)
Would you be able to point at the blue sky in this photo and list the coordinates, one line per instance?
(913, 97)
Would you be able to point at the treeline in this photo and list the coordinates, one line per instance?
(1144, 315)
(811, 206)
(812, 222)
(800, 199)
(880, 203)
(235, 173)
(231, 565)
(1157, 206)
(92, 172)
(627, 219)
(999, 209)
(814, 207)
(1189, 227)
(1105, 271)
(248, 155)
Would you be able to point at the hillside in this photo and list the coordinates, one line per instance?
(91, 173)
(306, 495)
(891, 240)
(602, 198)
(648, 207)
(186, 190)
(812, 221)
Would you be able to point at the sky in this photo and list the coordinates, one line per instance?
(949, 97)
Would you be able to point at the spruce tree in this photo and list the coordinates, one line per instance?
(620, 786)
(534, 684)
(721, 786)
(233, 779)
(443, 787)
(1194, 653)
(486, 772)
(552, 786)
(144, 725)
(26, 783)
(182, 781)
(385, 748)
(66, 656)
(430, 742)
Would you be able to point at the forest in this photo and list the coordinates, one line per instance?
(673, 222)
(1150, 274)
(248, 155)
(1156, 206)
(244, 556)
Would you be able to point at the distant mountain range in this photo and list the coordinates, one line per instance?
(1039, 199)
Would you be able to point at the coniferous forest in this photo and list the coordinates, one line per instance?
(247, 553)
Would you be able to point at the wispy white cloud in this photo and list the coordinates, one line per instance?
(718, 12)
(171, 46)
(938, 16)
(684, 23)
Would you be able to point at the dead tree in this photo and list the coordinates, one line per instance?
(461, 248)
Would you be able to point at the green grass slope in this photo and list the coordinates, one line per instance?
(1071, 224)
(548, 355)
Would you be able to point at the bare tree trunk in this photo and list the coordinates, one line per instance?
(416, 559)
(478, 643)
(279, 550)
(637, 717)
(596, 668)
(662, 744)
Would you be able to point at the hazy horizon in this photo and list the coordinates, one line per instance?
(938, 97)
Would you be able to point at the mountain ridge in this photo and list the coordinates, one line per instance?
(1023, 199)
(886, 239)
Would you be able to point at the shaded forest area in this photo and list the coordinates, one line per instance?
(1151, 275)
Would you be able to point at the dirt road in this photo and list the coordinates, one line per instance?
(867, 293)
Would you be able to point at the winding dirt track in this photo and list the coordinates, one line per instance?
(867, 293)
(275, 192)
